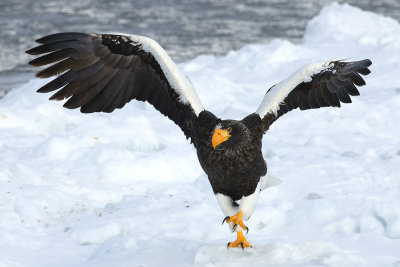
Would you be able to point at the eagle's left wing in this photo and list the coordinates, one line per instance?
(313, 86)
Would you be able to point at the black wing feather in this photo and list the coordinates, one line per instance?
(328, 88)
(102, 72)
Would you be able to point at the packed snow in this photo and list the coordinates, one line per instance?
(126, 189)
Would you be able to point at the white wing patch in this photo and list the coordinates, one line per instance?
(176, 78)
(280, 91)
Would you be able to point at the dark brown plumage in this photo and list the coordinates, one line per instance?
(102, 72)
(234, 168)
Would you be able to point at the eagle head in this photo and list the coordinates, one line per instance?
(229, 134)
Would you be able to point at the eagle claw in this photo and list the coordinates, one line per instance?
(236, 220)
(226, 218)
(234, 227)
(239, 242)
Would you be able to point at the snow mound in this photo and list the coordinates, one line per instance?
(356, 26)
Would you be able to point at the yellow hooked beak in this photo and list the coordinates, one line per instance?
(220, 136)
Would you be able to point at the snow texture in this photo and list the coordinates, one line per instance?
(278, 93)
(176, 78)
(126, 189)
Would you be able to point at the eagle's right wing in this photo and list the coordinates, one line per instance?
(102, 72)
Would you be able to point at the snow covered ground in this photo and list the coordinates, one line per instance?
(125, 189)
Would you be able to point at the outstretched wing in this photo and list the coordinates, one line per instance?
(313, 86)
(102, 72)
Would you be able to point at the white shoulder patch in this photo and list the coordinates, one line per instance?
(176, 78)
(280, 91)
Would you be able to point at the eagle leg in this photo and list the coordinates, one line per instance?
(240, 241)
(236, 220)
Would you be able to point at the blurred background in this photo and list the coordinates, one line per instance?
(185, 28)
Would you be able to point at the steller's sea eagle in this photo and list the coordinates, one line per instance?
(102, 72)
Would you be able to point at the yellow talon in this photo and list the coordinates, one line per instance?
(237, 221)
(240, 241)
